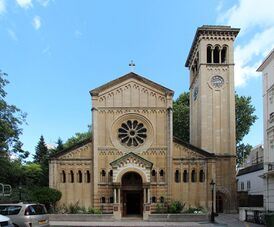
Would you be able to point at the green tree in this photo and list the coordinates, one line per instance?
(245, 118)
(78, 137)
(60, 145)
(11, 119)
(181, 117)
(41, 151)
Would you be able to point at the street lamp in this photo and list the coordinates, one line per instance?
(212, 185)
(20, 193)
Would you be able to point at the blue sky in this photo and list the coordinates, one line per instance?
(55, 51)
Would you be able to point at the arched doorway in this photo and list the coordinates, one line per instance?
(219, 203)
(132, 194)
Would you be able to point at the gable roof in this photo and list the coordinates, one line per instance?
(130, 75)
(266, 61)
(133, 155)
(251, 169)
(71, 148)
(193, 148)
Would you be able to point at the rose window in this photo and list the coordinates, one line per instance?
(132, 133)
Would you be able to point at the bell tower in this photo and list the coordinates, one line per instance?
(212, 97)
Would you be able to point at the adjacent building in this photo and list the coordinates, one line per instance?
(133, 163)
(267, 69)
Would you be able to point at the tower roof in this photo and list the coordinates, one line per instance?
(216, 30)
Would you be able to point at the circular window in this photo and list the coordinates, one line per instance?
(132, 133)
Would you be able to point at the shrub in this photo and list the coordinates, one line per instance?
(47, 196)
(175, 207)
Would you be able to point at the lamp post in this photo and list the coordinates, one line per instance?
(212, 184)
(20, 193)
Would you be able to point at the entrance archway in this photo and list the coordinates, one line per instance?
(132, 194)
(219, 203)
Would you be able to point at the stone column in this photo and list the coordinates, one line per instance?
(114, 192)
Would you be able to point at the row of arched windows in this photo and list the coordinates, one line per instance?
(105, 200)
(217, 54)
(104, 177)
(161, 175)
(177, 176)
(154, 199)
(70, 176)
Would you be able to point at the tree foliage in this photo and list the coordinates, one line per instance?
(11, 119)
(245, 118)
(78, 137)
(47, 196)
(181, 117)
(41, 151)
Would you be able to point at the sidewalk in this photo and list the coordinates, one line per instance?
(223, 220)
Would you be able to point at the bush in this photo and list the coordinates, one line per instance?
(47, 196)
(194, 210)
(175, 207)
(92, 210)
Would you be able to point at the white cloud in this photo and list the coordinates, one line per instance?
(78, 34)
(25, 4)
(46, 51)
(250, 16)
(36, 22)
(2, 7)
(44, 2)
(12, 34)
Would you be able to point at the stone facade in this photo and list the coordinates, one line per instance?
(133, 165)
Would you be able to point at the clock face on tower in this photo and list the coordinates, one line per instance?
(217, 81)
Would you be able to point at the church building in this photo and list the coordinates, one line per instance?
(133, 164)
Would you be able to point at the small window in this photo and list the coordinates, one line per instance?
(80, 176)
(209, 54)
(103, 200)
(248, 185)
(153, 199)
(223, 55)
(88, 176)
(71, 177)
(153, 173)
(153, 176)
(216, 55)
(63, 176)
(103, 176)
(177, 176)
(162, 199)
(162, 173)
(185, 176)
(110, 175)
(103, 173)
(193, 176)
(202, 176)
(242, 186)
(111, 200)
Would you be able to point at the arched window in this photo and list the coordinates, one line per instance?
(71, 177)
(110, 175)
(162, 199)
(63, 177)
(177, 176)
(193, 176)
(162, 175)
(103, 200)
(79, 176)
(153, 176)
(153, 199)
(216, 54)
(111, 199)
(224, 55)
(202, 176)
(103, 176)
(209, 54)
(88, 176)
(185, 176)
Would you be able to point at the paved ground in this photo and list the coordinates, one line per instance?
(223, 220)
